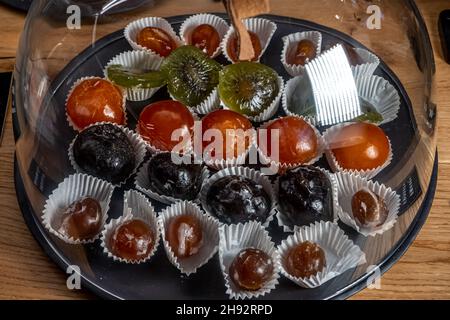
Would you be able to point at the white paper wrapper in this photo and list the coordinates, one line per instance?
(209, 226)
(142, 183)
(276, 165)
(79, 81)
(271, 110)
(140, 60)
(138, 144)
(374, 90)
(300, 89)
(371, 63)
(194, 21)
(74, 188)
(132, 30)
(290, 46)
(263, 28)
(135, 206)
(251, 174)
(235, 238)
(335, 167)
(210, 104)
(348, 186)
(380, 94)
(284, 223)
(341, 253)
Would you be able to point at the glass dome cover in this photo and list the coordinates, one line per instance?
(65, 41)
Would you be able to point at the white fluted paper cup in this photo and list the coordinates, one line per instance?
(290, 46)
(136, 141)
(245, 172)
(299, 89)
(235, 238)
(334, 164)
(341, 254)
(132, 30)
(143, 184)
(77, 83)
(379, 94)
(349, 185)
(194, 21)
(263, 28)
(135, 207)
(210, 236)
(369, 65)
(281, 167)
(284, 222)
(72, 189)
(140, 60)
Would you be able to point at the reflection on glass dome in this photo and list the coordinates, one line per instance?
(298, 135)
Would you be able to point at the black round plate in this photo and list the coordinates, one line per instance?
(18, 4)
(158, 279)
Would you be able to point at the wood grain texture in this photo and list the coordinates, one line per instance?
(423, 273)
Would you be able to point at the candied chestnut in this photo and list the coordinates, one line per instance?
(233, 47)
(105, 151)
(159, 120)
(369, 210)
(156, 40)
(82, 220)
(181, 181)
(251, 269)
(297, 141)
(235, 130)
(305, 196)
(206, 38)
(360, 146)
(95, 100)
(236, 199)
(304, 53)
(305, 260)
(132, 240)
(185, 236)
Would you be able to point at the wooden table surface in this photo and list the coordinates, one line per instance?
(423, 273)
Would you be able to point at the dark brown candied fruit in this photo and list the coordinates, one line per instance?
(305, 196)
(157, 40)
(132, 240)
(185, 236)
(181, 181)
(369, 210)
(105, 151)
(82, 220)
(233, 47)
(305, 260)
(235, 199)
(304, 53)
(206, 38)
(95, 100)
(251, 269)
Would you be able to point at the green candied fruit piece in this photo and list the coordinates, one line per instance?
(370, 116)
(131, 78)
(191, 75)
(248, 87)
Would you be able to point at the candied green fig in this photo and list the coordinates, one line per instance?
(248, 87)
(191, 75)
(130, 78)
(370, 116)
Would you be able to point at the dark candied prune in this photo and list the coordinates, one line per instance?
(235, 199)
(105, 151)
(305, 196)
(181, 181)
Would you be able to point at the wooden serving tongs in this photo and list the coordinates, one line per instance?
(239, 10)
